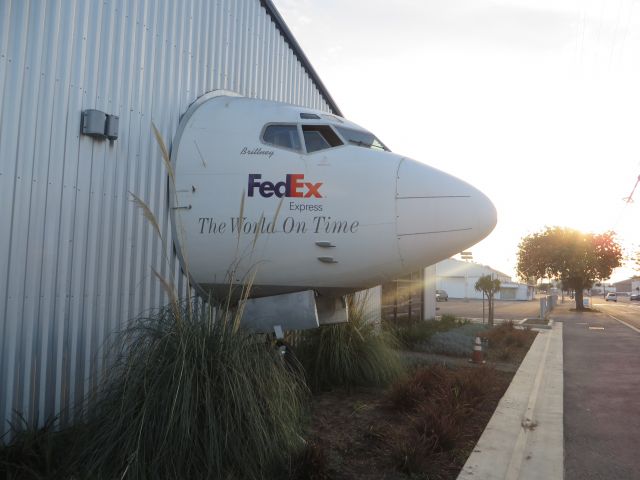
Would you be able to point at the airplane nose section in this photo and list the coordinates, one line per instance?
(438, 215)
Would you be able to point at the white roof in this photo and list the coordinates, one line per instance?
(456, 268)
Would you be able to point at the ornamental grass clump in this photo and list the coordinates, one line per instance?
(35, 451)
(356, 353)
(190, 396)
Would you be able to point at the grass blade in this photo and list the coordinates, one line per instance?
(165, 154)
(147, 213)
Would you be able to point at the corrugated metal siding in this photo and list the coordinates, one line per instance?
(75, 254)
(372, 299)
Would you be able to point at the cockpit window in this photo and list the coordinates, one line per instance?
(315, 141)
(319, 137)
(286, 136)
(361, 138)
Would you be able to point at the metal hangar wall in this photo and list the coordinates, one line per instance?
(75, 254)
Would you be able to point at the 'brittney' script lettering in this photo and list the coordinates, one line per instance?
(256, 151)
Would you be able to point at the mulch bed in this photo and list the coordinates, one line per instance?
(357, 434)
(369, 433)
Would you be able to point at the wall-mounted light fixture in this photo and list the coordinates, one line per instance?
(111, 129)
(100, 125)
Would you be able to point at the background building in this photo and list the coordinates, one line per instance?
(76, 256)
(458, 279)
(631, 285)
(414, 297)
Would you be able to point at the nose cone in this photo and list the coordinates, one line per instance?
(438, 215)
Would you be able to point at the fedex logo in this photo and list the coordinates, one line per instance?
(293, 186)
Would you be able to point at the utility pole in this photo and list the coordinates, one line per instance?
(629, 199)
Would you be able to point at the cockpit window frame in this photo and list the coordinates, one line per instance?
(302, 148)
(346, 141)
(332, 118)
(336, 129)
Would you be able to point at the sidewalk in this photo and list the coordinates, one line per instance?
(601, 395)
(525, 437)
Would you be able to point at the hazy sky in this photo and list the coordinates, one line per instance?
(535, 102)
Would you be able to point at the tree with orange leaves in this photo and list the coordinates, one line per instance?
(575, 258)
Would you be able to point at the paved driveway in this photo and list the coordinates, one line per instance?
(505, 309)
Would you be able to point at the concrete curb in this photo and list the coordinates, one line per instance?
(496, 321)
(525, 437)
(536, 326)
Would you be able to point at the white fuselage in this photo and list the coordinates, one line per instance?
(337, 219)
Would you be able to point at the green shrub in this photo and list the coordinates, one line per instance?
(457, 341)
(507, 343)
(356, 353)
(190, 397)
(451, 320)
(412, 333)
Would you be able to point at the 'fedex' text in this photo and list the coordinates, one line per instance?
(293, 186)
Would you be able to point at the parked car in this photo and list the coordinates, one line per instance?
(611, 297)
(635, 296)
(442, 296)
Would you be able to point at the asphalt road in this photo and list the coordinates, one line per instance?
(623, 309)
(601, 391)
(505, 309)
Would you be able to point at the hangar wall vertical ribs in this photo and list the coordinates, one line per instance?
(75, 254)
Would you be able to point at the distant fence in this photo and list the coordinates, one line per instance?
(547, 303)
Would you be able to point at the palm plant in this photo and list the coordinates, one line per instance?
(489, 287)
